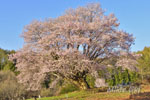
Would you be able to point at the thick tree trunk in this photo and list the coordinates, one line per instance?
(81, 83)
(35, 98)
(87, 85)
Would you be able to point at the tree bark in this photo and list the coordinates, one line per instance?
(81, 83)
(35, 97)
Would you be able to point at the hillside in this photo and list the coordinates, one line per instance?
(95, 95)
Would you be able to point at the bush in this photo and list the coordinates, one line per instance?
(102, 89)
(46, 92)
(68, 88)
(9, 88)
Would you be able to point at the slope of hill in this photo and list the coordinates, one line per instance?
(95, 95)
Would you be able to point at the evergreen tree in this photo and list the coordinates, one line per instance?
(5, 64)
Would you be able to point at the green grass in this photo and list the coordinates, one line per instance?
(87, 95)
(93, 94)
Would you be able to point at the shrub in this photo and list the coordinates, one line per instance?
(46, 92)
(68, 88)
(9, 88)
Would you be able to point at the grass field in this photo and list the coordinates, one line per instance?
(92, 95)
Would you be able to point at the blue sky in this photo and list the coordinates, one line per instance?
(134, 17)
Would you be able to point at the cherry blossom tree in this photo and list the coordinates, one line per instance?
(69, 45)
(128, 61)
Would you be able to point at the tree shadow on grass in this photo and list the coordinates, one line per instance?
(140, 96)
